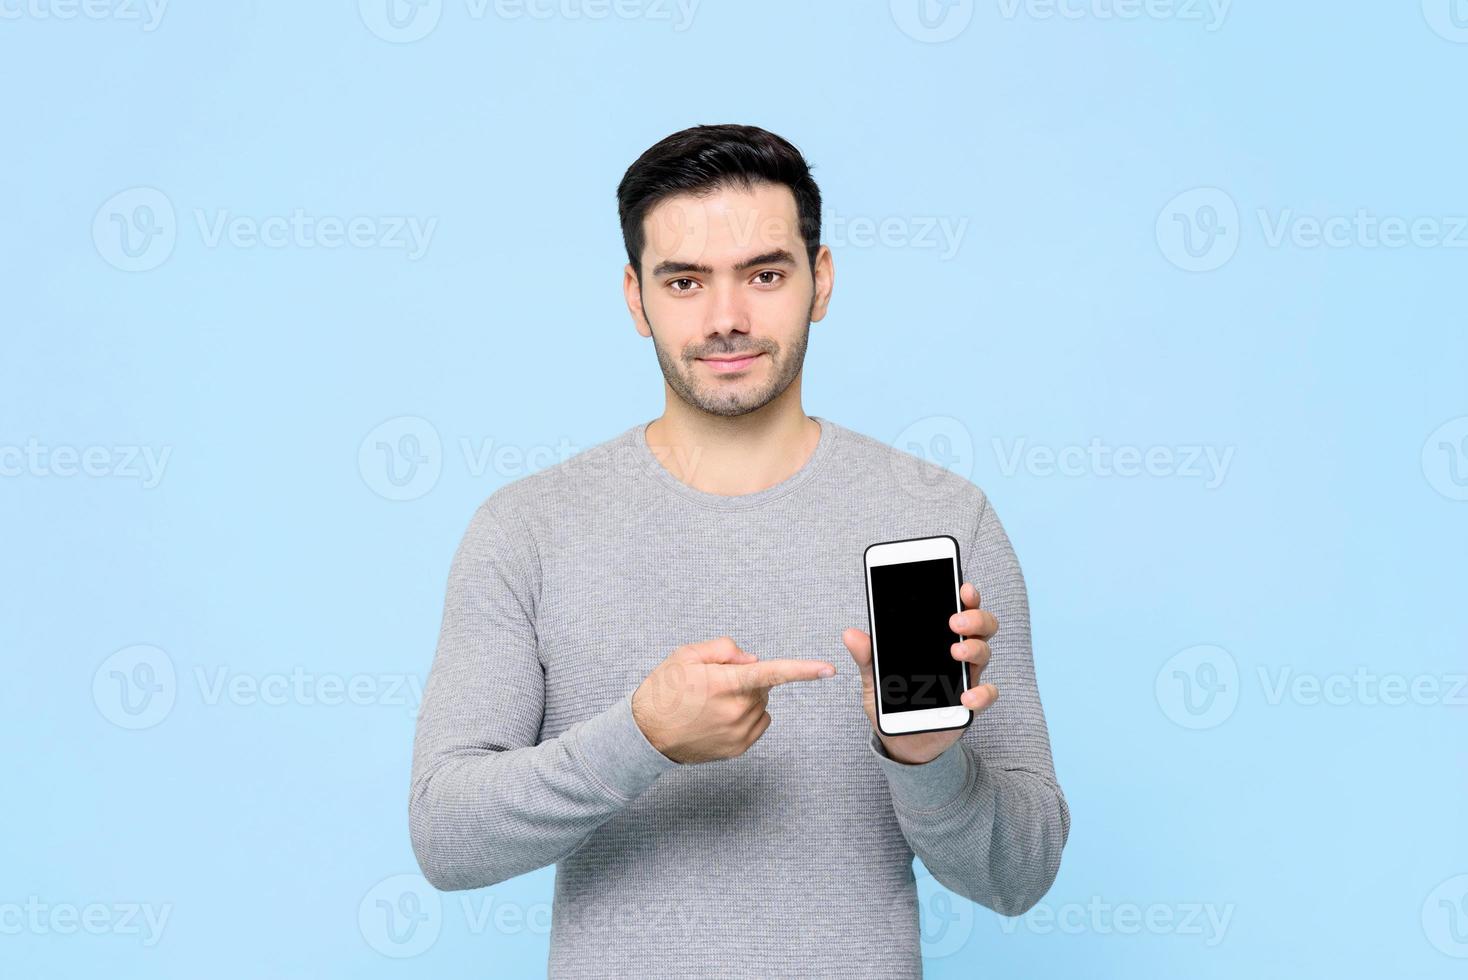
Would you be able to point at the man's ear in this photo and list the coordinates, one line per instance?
(632, 290)
(824, 275)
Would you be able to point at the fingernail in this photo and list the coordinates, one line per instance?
(828, 671)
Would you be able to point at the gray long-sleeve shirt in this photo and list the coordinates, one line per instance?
(792, 860)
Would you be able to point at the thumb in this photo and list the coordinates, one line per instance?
(859, 645)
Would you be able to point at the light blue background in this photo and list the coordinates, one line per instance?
(1329, 834)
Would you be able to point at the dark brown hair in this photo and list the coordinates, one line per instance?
(702, 159)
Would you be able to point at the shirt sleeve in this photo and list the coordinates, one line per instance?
(486, 801)
(987, 817)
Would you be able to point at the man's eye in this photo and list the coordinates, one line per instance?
(674, 283)
(769, 272)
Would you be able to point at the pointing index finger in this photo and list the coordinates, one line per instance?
(772, 673)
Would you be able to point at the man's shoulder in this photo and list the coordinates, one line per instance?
(564, 482)
(919, 465)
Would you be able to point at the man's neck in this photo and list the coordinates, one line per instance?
(733, 456)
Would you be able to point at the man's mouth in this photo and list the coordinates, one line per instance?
(731, 363)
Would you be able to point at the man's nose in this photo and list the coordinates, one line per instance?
(729, 313)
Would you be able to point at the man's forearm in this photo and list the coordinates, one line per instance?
(989, 834)
(479, 814)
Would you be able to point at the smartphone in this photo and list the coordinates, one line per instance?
(912, 590)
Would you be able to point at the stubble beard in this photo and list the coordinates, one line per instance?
(729, 400)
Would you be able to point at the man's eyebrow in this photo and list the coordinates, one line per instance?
(777, 256)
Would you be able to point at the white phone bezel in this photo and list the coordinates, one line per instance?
(896, 553)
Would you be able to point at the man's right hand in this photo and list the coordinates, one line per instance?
(707, 700)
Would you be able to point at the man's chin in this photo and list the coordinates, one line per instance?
(725, 408)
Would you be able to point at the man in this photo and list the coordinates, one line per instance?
(637, 680)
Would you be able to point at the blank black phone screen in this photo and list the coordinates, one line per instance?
(911, 605)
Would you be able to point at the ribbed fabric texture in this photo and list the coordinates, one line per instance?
(792, 860)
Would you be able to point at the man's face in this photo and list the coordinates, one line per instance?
(728, 295)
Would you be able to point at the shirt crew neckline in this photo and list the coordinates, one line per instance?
(825, 447)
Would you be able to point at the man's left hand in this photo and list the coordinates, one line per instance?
(975, 626)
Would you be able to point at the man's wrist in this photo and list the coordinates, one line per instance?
(618, 753)
(897, 755)
(928, 785)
